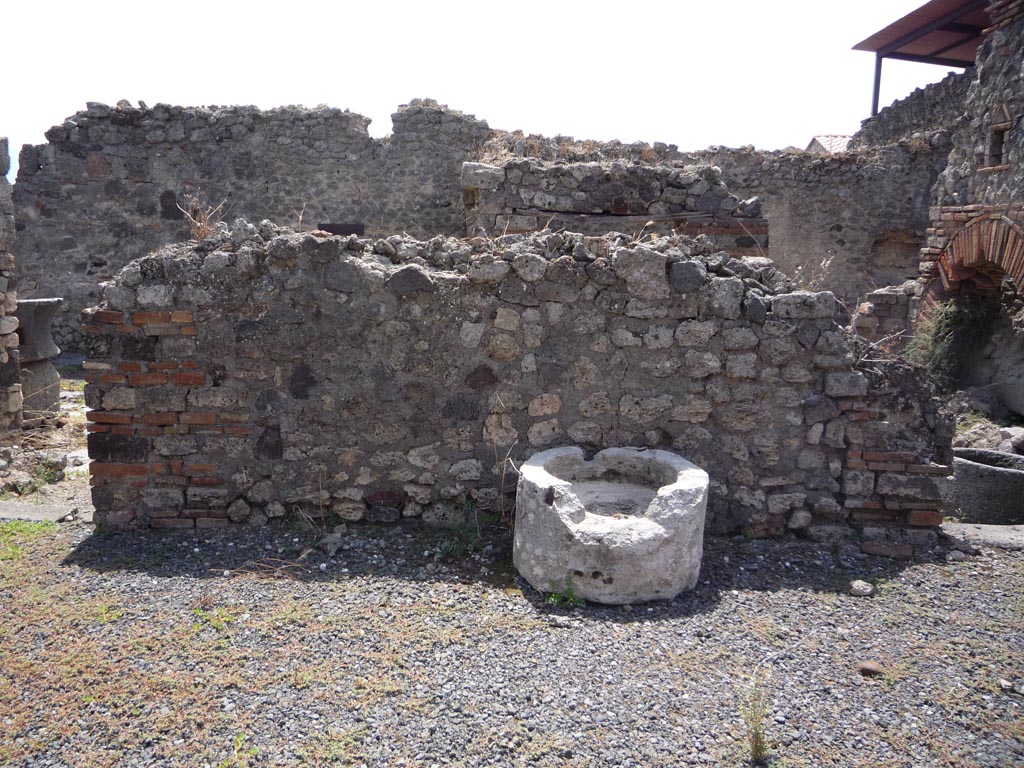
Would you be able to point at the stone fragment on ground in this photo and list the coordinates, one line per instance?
(860, 588)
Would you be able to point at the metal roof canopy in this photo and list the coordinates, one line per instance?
(944, 32)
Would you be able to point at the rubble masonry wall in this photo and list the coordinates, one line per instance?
(936, 107)
(10, 388)
(105, 189)
(266, 372)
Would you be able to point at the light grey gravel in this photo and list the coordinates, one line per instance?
(421, 648)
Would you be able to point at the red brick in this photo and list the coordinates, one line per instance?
(108, 316)
(924, 517)
(172, 522)
(198, 418)
(233, 417)
(150, 431)
(164, 365)
(177, 429)
(889, 456)
(879, 467)
(237, 431)
(164, 513)
(187, 330)
(206, 481)
(161, 329)
(170, 480)
(181, 316)
(158, 468)
(177, 465)
(91, 377)
(97, 427)
(101, 469)
(129, 367)
(186, 379)
(930, 469)
(862, 504)
(146, 379)
(122, 431)
(190, 365)
(145, 318)
(107, 378)
(856, 464)
(117, 330)
(109, 417)
(874, 515)
(212, 522)
(218, 513)
(160, 419)
(200, 469)
(888, 549)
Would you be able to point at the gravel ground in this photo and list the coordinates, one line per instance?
(413, 647)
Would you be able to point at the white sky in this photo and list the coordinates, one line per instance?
(688, 72)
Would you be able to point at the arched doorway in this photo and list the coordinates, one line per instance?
(973, 303)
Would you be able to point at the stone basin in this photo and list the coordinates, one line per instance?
(987, 487)
(625, 527)
(40, 380)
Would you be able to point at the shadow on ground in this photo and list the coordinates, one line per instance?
(414, 552)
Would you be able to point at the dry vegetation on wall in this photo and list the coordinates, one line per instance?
(945, 334)
(202, 218)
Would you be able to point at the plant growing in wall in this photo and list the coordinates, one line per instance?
(948, 332)
(202, 219)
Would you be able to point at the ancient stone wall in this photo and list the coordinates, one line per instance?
(107, 186)
(979, 191)
(264, 373)
(979, 172)
(611, 196)
(1003, 13)
(936, 107)
(848, 222)
(10, 387)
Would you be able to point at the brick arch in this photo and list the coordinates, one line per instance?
(987, 248)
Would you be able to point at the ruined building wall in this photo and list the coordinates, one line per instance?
(264, 371)
(848, 222)
(106, 187)
(105, 190)
(936, 107)
(977, 234)
(611, 196)
(977, 184)
(973, 176)
(10, 388)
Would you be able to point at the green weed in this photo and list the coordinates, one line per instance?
(240, 754)
(15, 533)
(565, 598)
(211, 614)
